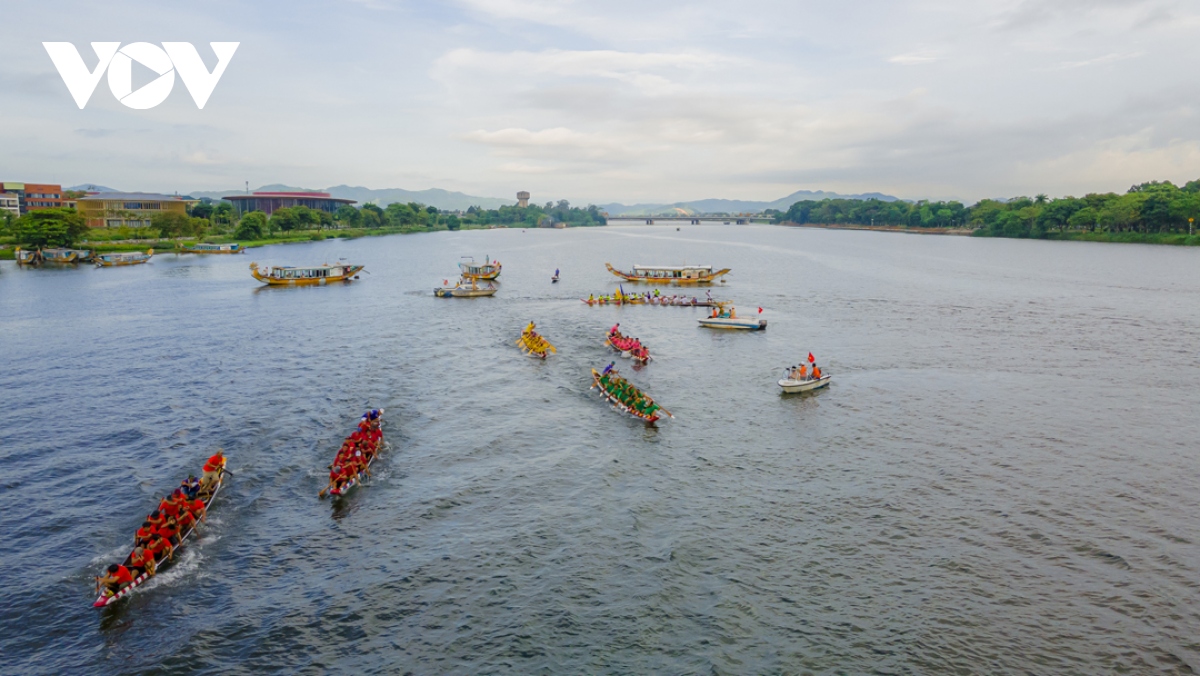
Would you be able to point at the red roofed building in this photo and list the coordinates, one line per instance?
(268, 202)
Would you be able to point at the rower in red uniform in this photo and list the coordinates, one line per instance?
(160, 548)
(212, 471)
(118, 576)
(141, 561)
(156, 518)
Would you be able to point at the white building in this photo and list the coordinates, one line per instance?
(10, 202)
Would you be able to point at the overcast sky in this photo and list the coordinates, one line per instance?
(628, 101)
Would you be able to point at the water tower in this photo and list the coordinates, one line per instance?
(522, 199)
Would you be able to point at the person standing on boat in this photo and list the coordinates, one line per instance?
(212, 471)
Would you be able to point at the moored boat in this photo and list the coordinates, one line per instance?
(281, 275)
(670, 274)
(625, 397)
(108, 597)
(120, 258)
(202, 248)
(488, 270)
(534, 344)
(53, 255)
(467, 287)
(348, 469)
(791, 386)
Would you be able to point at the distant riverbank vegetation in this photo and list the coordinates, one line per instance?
(217, 223)
(1155, 213)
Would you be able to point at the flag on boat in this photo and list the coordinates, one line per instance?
(811, 359)
(760, 311)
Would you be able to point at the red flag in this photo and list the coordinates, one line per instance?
(760, 311)
(811, 359)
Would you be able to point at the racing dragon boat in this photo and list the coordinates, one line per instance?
(629, 348)
(117, 259)
(488, 271)
(201, 248)
(281, 275)
(374, 423)
(534, 345)
(670, 274)
(107, 598)
(627, 398)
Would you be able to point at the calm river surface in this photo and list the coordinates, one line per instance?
(1003, 477)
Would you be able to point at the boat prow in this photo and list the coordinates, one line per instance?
(792, 386)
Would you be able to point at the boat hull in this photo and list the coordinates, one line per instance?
(121, 260)
(233, 249)
(443, 292)
(790, 386)
(734, 324)
(616, 403)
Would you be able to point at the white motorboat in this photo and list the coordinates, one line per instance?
(807, 385)
(743, 323)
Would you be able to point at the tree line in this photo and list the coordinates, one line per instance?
(1156, 207)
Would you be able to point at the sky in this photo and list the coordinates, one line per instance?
(623, 101)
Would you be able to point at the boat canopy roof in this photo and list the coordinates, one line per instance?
(673, 268)
(312, 267)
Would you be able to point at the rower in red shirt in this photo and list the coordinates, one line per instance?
(160, 548)
(141, 561)
(118, 576)
(142, 536)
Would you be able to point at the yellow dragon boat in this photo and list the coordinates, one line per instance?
(282, 275)
(488, 271)
(53, 255)
(668, 274)
(533, 344)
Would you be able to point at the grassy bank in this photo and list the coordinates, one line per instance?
(108, 244)
(1172, 239)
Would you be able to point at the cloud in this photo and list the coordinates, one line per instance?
(1100, 60)
(913, 58)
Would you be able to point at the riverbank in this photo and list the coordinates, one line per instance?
(8, 250)
(886, 228)
(1170, 239)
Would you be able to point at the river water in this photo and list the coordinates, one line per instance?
(1002, 478)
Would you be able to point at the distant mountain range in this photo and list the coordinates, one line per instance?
(445, 199)
(716, 206)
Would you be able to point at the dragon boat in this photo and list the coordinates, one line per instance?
(670, 274)
(629, 348)
(201, 248)
(108, 598)
(370, 432)
(54, 255)
(487, 271)
(117, 259)
(535, 345)
(627, 398)
(282, 275)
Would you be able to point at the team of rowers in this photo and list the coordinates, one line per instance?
(626, 344)
(647, 298)
(534, 343)
(355, 455)
(624, 392)
(163, 529)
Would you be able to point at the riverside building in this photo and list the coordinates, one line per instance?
(34, 196)
(10, 203)
(268, 202)
(128, 209)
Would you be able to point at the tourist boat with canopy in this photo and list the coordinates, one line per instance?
(54, 255)
(370, 434)
(467, 287)
(791, 386)
(202, 248)
(120, 258)
(108, 597)
(724, 316)
(534, 344)
(627, 398)
(487, 271)
(281, 275)
(670, 274)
